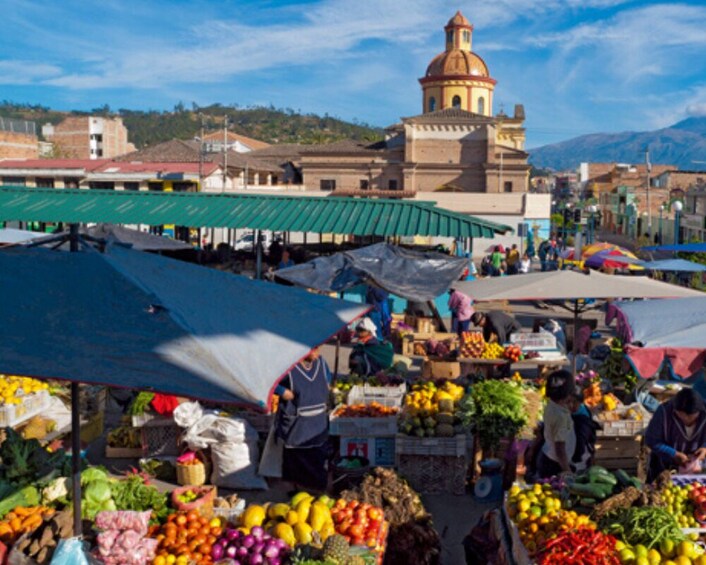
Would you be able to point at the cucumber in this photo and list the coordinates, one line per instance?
(600, 475)
(637, 483)
(623, 478)
(588, 502)
(590, 490)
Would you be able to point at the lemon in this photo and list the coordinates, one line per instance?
(686, 549)
(666, 548)
(642, 561)
(654, 557)
(640, 551)
(627, 556)
(682, 560)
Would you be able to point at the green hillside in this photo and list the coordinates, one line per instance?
(266, 124)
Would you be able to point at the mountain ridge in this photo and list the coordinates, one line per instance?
(682, 144)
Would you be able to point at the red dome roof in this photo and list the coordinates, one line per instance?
(457, 62)
(458, 20)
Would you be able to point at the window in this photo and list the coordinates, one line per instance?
(450, 36)
(17, 181)
(392, 184)
(466, 35)
(364, 184)
(432, 104)
(508, 186)
(155, 186)
(481, 105)
(101, 185)
(131, 185)
(456, 101)
(99, 152)
(97, 137)
(70, 182)
(327, 184)
(45, 182)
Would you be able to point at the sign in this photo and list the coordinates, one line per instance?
(522, 229)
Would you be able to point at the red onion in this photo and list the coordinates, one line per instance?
(217, 552)
(256, 559)
(232, 534)
(243, 552)
(271, 550)
(231, 551)
(257, 532)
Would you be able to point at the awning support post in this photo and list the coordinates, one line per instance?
(258, 260)
(75, 424)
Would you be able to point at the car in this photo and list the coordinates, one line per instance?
(247, 241)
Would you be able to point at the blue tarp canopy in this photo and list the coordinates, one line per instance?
(131, 319)
(683, 247)
(681, 265)
(413, 275)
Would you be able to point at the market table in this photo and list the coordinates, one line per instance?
(487, 366)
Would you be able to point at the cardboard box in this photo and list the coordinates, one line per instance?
(432, 369)
(380, 451)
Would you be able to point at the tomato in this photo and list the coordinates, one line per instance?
(353, 504)
(216, 531)
(211, 539)
(356, 531)
(181, 520)
(357, 540)
(371, 542)
(197, 557)
(344, 526)
(205, 548)
(375, 514)
(203, 520)
(193, 544)
(340, 504)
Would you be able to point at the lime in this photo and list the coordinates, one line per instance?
(627, 556)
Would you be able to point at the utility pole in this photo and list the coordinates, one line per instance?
(201, 155)
(648, 167)
(225, 151)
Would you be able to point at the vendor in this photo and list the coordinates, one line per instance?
(461, 311)
(585, 430)
(369, 355)
(496, 323)
(302, 423)
(380, 314)
(559, 433)
(677, 433)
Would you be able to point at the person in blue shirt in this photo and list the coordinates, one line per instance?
(380, 314)
(677, 433)
(301, 423)
(286, 261)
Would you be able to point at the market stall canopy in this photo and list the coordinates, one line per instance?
(699, 247)
(414, 275)
(136, 239)
(667, 330)
(307, 214)
(11, 235)
(132, 319)
(676, 265)
(613, 259)
(570, 285)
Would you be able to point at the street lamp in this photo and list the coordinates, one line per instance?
(662, 208)
(592, 209)
(677, 206)
(631, 211)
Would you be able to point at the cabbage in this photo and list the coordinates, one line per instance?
(93, 474)
(97, 492)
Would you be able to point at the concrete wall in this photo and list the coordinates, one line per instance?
(15, 145)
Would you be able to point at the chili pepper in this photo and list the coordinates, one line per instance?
(580, 547)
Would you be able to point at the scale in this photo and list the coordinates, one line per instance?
(489, 487)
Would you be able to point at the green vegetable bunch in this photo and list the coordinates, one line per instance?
(646, 525)
(141, 403)
(132, 493)
(499, 412)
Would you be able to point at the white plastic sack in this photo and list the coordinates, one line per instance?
(235, 465)
(212, 429)
(70, 552)
(187, 414)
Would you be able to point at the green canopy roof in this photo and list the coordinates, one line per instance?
(356, 216)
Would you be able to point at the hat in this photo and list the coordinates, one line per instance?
(476, 318)
(366, 324)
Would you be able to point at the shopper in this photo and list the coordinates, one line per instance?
(379, 299)
(677, 433)
(496, 325)
(461, 307)
(512, 258)
(525, 264)
(302, 423)
(496, 260)
(369, 355)
(559, 434)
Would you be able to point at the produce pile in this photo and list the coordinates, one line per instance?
(372, 410)
(13, 389)
(125, 437)
(434, 409)
(412, 537)
(498, 412)
(629, 523)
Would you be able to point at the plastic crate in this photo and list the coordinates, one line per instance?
(390, 396)
(161, 437)
(433, 446)
(625, 428)
(362, 427)
(379, 451)
(32, 405)
(434, 474)
(543, 341)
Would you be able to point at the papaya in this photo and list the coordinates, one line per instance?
(302, 533)
(285, 533)
(302, 509)
(318, 515)
(278, 510)
(297, 498)
(254, 515)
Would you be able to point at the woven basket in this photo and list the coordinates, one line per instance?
(191, 474)
(203, 504)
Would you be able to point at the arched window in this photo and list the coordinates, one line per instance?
(456, 102)
(432, 104)
(466, 35)
(481, 105)
(450, 36)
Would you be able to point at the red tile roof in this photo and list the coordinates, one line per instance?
(87, 164)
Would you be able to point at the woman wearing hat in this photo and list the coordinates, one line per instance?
(369, 355)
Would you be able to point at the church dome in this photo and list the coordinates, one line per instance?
(458, 20)
(457, 62)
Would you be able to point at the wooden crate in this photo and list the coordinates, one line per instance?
(433, 369)
(618, 453)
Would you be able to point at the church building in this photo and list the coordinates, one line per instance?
(455, 145)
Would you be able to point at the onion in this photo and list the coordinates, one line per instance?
(271, 550)
(274, 561)
(281, 543)
(257, 532)
(232, 534)
(231, 551)
(217, 552)
(248, 541)
(243, 552)
(256, 559)
(258, 548)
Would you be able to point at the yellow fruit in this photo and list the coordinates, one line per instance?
(297, 498)
(700, 560)
(654, 557)
(666, 548)
(303, 509)
(302, 532)
(619, 545)
(642, 561)
(277, 511)
(285, 533)
(291, 518)
(627, 556)
(686, 549)
(682, 560)
(254, 515)
(523, 505)
(318, 515)
(640, 550)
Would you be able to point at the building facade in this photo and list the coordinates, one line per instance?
(18, 139)
(455, 145)
(88, 137)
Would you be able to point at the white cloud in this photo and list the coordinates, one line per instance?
(26, 72)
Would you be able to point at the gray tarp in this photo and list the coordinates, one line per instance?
(132, 319)
(12, 235)
(136, 239)
(414, 275)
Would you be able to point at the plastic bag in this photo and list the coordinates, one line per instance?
(187, 414)
(70, 552)
(123, 520)
(235, 465)
(211, 429)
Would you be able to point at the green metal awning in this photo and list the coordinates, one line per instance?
(355, 216)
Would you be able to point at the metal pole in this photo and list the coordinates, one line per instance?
(661, 211)
(648, 166)
(258, 260)
(75, 424)
(225, 151)
(338, 350)
(676, 227)
(574, 345)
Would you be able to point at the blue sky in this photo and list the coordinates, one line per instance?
(578, 66)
